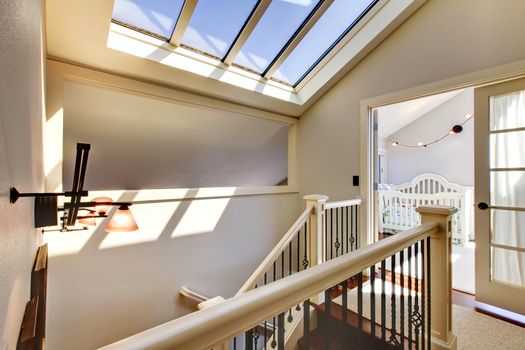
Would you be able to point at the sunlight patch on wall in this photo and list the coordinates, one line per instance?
(201, 216)
(53, 146)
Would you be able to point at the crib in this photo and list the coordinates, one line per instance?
(398, 203)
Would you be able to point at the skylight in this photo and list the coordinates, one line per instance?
(282, 40)
(335, 23)
(276, 27)
(155, 17)
(215, 34)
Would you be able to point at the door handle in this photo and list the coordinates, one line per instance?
(483, 206)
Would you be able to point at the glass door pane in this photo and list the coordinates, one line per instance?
(507, 188)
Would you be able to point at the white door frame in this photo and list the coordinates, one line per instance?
(367, 165)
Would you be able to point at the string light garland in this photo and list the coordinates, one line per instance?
(456, 129)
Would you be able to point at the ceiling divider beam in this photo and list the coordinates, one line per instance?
(182, 22)
(296, 39)
(246, 31)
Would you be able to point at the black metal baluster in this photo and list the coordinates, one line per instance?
(248, 340)
(356, 226)
(341, 231)
(410, 290)
(282, 264)
(423, 296)
(274, 340)
(423, 292)
(344, 285)
(383, 301)
(265, 322)
(290, 317)
(416, 317)
(234, 343)
(280, 329)
(290, 259)
(372, 306)
(325, 235)
(328, 315)
(306, 324)
(402, 300)
(348, 239)
(354, 235)
(429, 328)
(298, 250)
(255, 334)
(331, 234)
(393, 338)
(359, 310)
(305, 260)
(336, 244)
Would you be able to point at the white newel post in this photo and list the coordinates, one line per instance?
(440, 275)
(315, 225)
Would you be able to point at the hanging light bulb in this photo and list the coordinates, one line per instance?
(394, 143)
(456, 129)
(420, 144)
(122, 221)
(104, 208)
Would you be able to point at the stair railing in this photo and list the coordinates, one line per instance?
(341, 228)
(428, 323)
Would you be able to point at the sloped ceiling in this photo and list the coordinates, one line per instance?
(77, 32)
(398, 115)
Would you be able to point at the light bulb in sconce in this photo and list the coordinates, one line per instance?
(122, 221)
(104, 208)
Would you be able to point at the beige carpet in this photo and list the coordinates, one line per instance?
(474, 330)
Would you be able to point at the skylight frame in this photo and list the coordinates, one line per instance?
(251, 22)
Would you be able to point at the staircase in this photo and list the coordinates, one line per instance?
(316, 290)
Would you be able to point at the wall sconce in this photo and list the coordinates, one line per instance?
(46, 209)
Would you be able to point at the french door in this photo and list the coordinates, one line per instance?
(500, 194)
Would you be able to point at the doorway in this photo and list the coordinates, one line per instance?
(425, 155)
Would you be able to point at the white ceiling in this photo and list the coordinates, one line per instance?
(393, 117)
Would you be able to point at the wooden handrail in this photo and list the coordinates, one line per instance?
(199, 298)
(219, 323)
(345, 203)
(276, 251)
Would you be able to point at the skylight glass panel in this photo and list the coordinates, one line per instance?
(276, 27)
(332, 25)
(158, 17)
(215, 24)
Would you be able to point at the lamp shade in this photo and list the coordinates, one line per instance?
(104, 208)
(88, 220)
(122, 221)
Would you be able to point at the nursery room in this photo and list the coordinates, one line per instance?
(426, 156)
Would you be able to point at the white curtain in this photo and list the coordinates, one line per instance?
(507, 150)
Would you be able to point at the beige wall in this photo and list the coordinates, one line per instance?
(443, 39)
(104, 287)
(21, 87)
